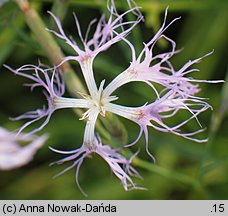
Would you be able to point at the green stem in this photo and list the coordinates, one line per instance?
(170, 174)
(215, 125)
(50, 47)
(59, 8)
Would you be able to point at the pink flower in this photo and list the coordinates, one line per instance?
(12, 154)
(177, 92)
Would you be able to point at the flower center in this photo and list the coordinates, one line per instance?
(100, 100)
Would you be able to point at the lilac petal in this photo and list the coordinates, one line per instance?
(77, 176)
(111, 156)
(53, 86)
(63, 152)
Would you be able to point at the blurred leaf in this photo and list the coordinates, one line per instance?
(2, 2)
(182, 4)
(59, 8)
(224, 104)
(8, 37)
(201, 33)
(174, 4)
(170, 174)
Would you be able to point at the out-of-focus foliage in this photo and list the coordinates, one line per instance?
(183, 169)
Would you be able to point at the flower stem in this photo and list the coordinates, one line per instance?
(166, 173)
(49, 45)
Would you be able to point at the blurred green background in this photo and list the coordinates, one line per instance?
(183, 169)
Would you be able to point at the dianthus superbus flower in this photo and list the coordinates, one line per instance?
(177, 90)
